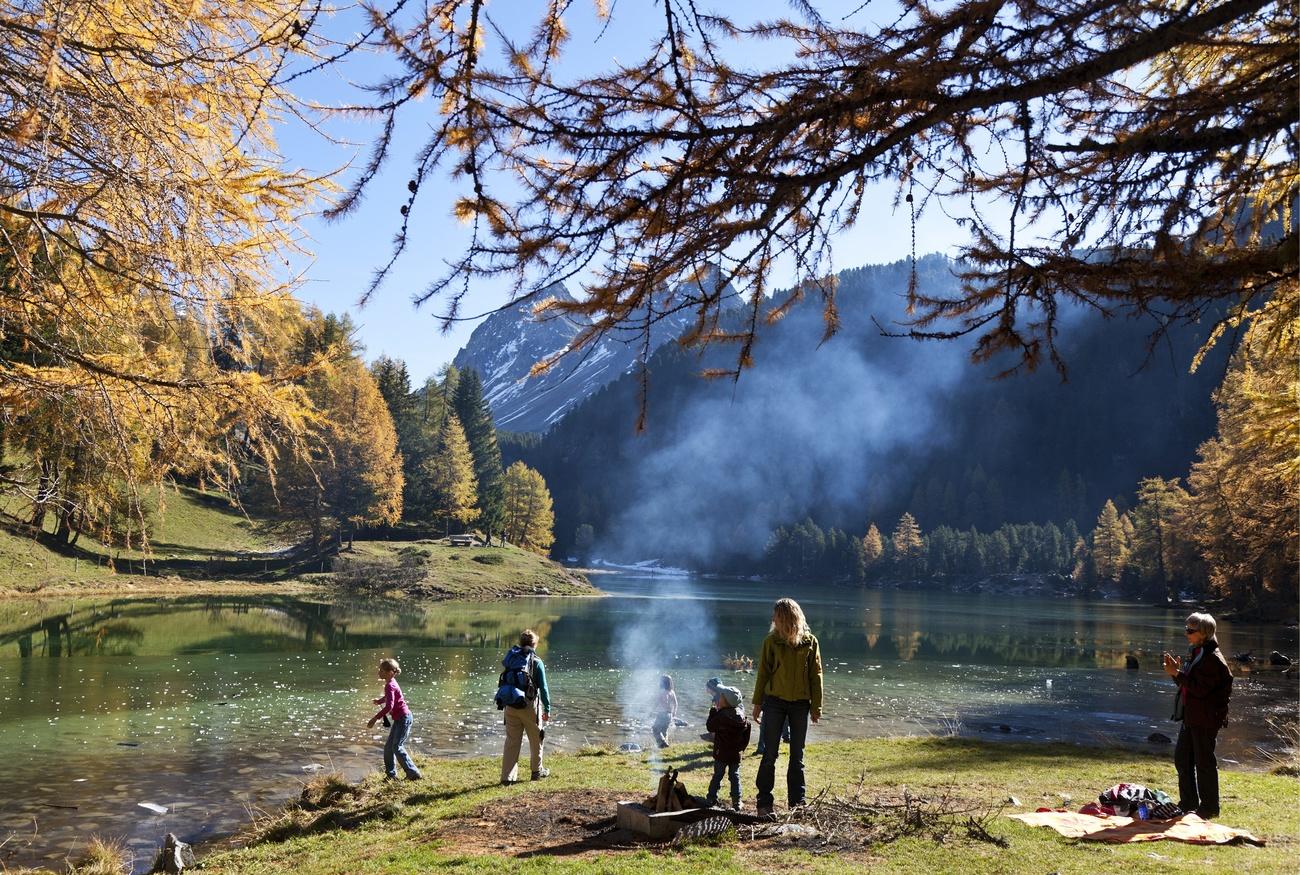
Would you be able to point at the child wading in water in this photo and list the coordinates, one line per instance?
(730, 737)
(393, 706)
(665, 711)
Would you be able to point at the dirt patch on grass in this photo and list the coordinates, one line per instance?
(581, 823)
(565, 823)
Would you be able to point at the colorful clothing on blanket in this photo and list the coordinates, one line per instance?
(1125, 798)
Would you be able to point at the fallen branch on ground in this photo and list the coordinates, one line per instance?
(854, 821)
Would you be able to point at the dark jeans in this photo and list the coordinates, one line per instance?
(785, 736)
(1198, 770)
(732, 770)
(395, 748)
(776, 712)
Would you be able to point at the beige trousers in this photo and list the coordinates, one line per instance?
(520, 721)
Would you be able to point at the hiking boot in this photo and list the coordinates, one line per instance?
(414, 777)
(509, 782)
(710, 803)
(541, 773)
(764, 811)
(1207, 813)
(735, 805)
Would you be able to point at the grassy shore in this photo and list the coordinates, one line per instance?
(430, 569)
(202, 546)
(460, 820)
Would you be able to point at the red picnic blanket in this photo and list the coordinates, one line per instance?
(1121, 830)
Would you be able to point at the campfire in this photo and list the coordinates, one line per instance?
(671, 795)
(662, 814)
(672, 807)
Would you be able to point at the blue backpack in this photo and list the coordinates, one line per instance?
(517, 688)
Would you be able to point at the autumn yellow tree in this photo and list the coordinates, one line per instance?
(362, 474)
(144, 220)
(873, 546)
(908, 545)
(448, 475)
(1110, 549)
(1246, 484)
(529, 518)
(351, 474)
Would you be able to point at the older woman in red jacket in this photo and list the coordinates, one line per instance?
(1204, 687)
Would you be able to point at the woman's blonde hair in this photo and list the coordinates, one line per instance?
(788, 621)
(391, 664)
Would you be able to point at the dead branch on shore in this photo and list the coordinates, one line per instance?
(831, 823)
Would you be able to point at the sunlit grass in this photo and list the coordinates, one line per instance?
(397, 827)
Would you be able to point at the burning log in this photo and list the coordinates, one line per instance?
(671, 794)
(666, 781)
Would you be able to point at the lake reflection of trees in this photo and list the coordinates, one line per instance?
(888, 628)
(885, 641)
(256, 624)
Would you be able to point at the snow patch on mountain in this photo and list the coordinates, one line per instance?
(506, 345)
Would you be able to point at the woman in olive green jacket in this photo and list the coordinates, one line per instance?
(788, 688)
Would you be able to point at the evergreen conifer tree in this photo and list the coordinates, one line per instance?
(476, 418)
(584, 539)
(1161, 552)
(394, 384)
(973, 554)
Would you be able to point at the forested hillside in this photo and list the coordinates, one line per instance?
(865, 427)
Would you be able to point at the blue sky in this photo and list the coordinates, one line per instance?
(341, 255)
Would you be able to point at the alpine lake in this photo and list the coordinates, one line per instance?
(211, 709)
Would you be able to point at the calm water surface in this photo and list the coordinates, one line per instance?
(217, 707)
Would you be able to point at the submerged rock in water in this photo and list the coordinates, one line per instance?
(174, 857)
(152, 806)
(629, 747)
(1159, 738)
(1277, 658)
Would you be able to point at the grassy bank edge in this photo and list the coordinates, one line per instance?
(441, 573)
(401, 827)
